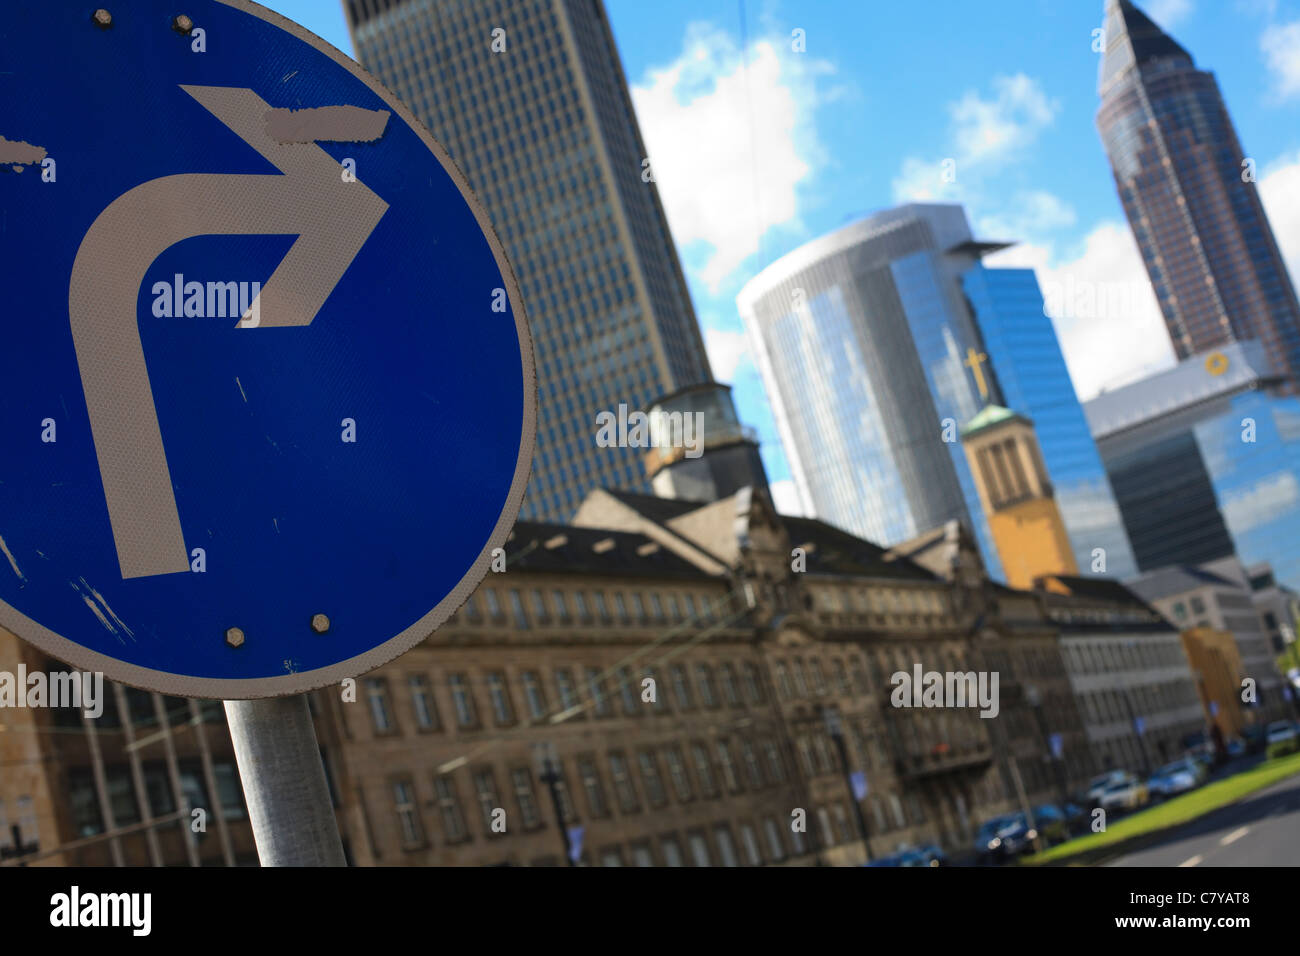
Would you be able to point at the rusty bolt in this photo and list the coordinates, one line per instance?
(320, 623)
(103, 19)
(182, 24)
(234, 637)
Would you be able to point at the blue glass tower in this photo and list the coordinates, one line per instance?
(878, 341)
(1212, 447)
(1034, 380)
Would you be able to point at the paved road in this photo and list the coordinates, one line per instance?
(1261, 830)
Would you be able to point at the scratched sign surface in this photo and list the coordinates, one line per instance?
(267, 400)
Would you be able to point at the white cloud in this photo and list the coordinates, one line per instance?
(1101, 304)
(726, 351)
(1279, 189)
(984, 131)
(1166, 13)
(728, 159)
(1259, 504)
(989, 129)
(1280, 44)
(786, 497)
(1029, 216)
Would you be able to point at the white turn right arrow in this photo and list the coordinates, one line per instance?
(332, 218)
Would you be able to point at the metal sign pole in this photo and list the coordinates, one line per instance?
(284, 782)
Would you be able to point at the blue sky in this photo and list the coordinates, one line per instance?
(753, 162)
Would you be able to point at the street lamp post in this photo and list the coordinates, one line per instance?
(1126, 696)
(546, 760)
(1036, 702)
(836, 730)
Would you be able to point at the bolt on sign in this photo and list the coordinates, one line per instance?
(268, 396)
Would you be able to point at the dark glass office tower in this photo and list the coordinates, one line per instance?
(530, 99)
(1185, 185)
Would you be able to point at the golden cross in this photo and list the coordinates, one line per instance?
(974, 362)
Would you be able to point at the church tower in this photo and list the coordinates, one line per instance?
(1017, 496)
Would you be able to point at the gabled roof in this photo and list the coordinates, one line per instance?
(836, 551)
(1177, 579)
(566, 549)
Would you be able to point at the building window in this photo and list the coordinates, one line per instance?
(660, 701)
(704, 682)
(580, 605)
(753, 683)
(641, 855)
(534, 696)
(517, 609)
(602, 607)
(623, 786)
(463, 700)
(627, 692)
(699, 849)
(657, 607)
(426, 711)
(229, 791)
(499, 695)
(526, 797)
(592, 786)
(818, 678)
(621, 606)
(775, 846)
(840, 678)
(681, 689)
(485, 792)
(561, 608)
(672, 851)
(494, 605)
(596, 688)
(539, 607)
(753, 770)
(611, 857)
(408, 814)
(121, 796)
(564, 684)
(704, 770)
(800, 681)
(727, 678)
(651, 778)
(727, 767)
(783, 687)
(453, 821)
(775, 765)
(381, 713)
(677, 773)
(749, 840)
(638, 608)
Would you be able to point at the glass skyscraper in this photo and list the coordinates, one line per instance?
(1186, 186)
(879, 341)
(1204, 460)
(529, 98)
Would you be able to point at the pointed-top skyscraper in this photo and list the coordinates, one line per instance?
(1188, 189)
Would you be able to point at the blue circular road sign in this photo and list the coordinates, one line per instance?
(267, 396)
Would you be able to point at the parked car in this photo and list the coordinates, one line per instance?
(1127, 793)
(1052, 823)
(1098, 785)
(1255, 739)
(1004, 837)
(1177, 777)
(929, 855)
(1278, 731)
